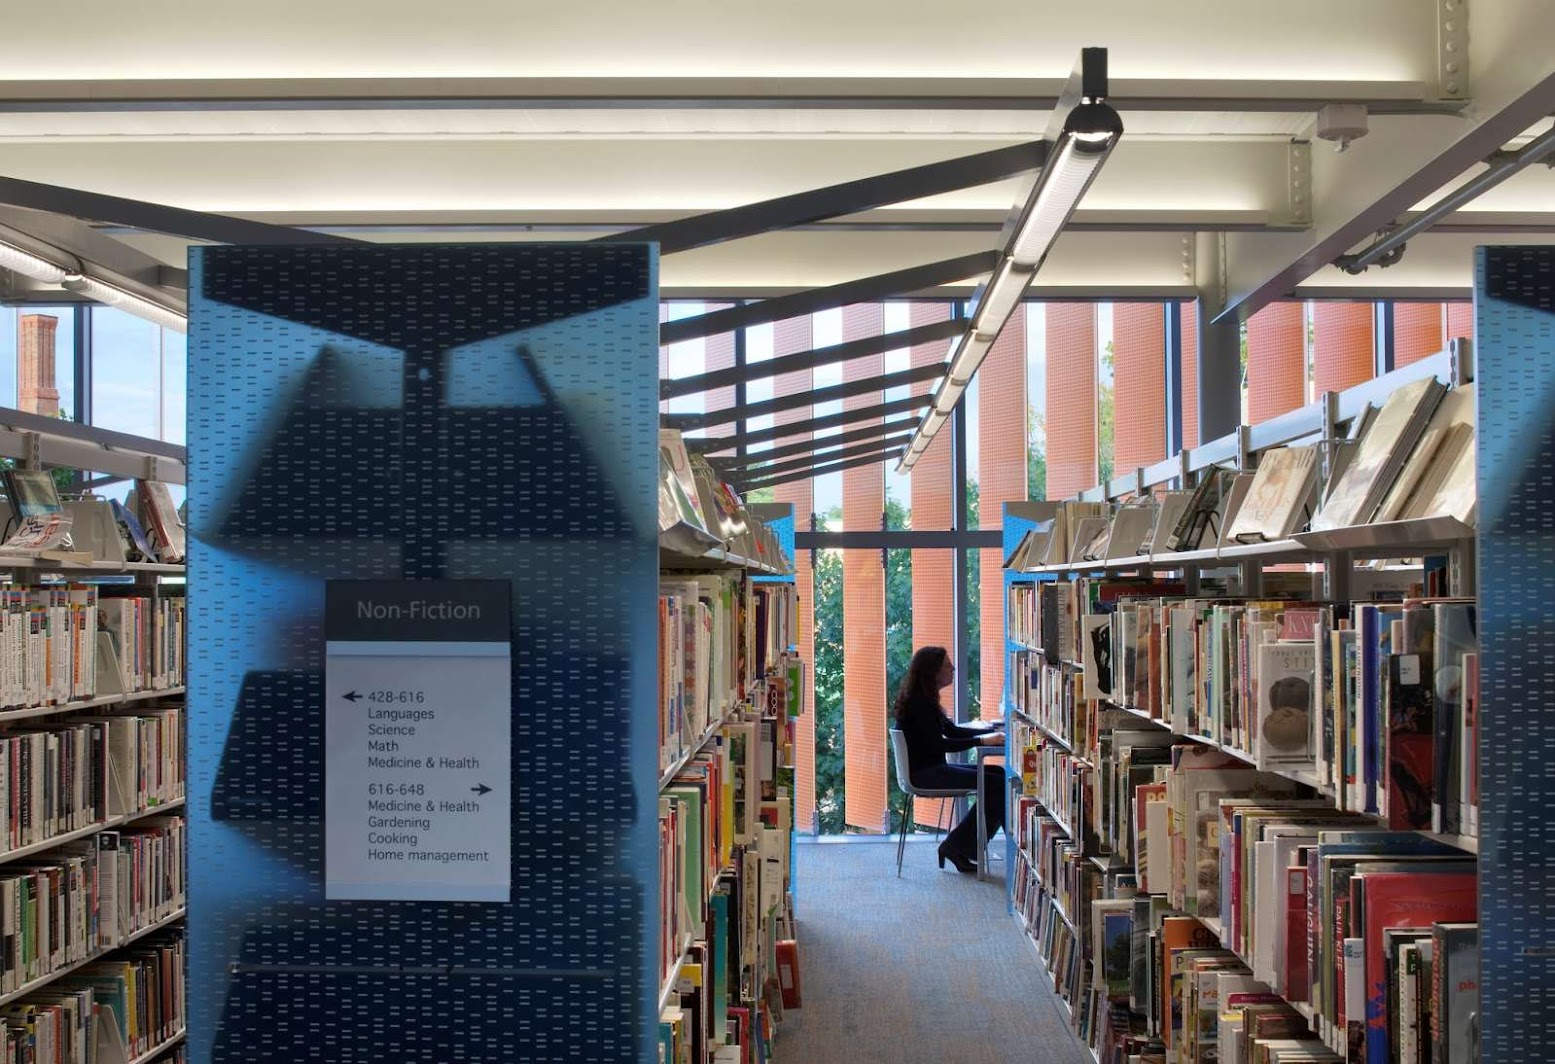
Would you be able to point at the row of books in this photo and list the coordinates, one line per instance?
(149, 636)
(106, 1012)
(1214, 839)
(725, 825)
(61, 779)
(1375, 703)
(84, 898)
(721, 636)
(53, 641)
(1410, 459)
(700, 511)
(724, 797)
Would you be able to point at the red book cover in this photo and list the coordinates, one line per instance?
(1405, 899)
(1296, 983)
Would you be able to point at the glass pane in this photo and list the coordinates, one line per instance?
(175, 392)
(126, 373)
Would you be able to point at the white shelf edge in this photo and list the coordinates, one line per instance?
(162, 1047)
(90, 830)
(44, 980)
(99, 702)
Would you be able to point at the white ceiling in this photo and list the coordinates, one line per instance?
(411, 121)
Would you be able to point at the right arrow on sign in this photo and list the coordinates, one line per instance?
(481, 789)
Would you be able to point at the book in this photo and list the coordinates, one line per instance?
(167, 528)
(1454, 1014)
(1285, 706)
(1384, 446)
(1410, 779)
(1278, 498)
(1454, 636)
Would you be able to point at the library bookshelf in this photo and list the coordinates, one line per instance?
(729, 679)
(92, 725)
(1197, 879)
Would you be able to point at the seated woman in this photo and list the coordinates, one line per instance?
(930, 735)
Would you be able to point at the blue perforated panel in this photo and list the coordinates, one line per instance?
(1515, 353)
(390, 412)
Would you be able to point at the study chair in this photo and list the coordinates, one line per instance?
(959, 795)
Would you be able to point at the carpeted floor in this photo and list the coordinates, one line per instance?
(926, 969)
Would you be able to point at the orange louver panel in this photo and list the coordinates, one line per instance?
(1001, 478)
(1460, 321)
(1139, 385)
(1276, 361)
(1190, 374)
(1417, 331)
(790, 337)
(863, 607)
(933, 587)
(1344, 339)
(1071, 398)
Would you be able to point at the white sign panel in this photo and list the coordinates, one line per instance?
(417, 740)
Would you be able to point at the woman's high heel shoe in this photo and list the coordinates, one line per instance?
(964, 865)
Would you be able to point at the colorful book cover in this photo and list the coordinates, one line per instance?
(1411, 780)
(1405, 899)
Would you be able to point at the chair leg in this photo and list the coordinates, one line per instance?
(901, 834)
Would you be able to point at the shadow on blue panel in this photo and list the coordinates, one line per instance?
(366, 468)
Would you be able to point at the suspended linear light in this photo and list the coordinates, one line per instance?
(92, 288)
(1089, 134)
(27, 264)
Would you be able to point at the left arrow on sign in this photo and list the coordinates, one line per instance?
(352, 695)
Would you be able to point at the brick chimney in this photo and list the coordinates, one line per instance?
(35, 391)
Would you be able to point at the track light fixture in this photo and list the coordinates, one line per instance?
(1090, 131)
(107, 294)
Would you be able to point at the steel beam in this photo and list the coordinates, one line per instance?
(807, 360)
(810, 461)
(821, 471)
(69, 243)
(783, 212)
(638, 93)
(1383, 175)
(864, 290)
(814, 424)
(156, 217)
(872, 432)
(886, 381)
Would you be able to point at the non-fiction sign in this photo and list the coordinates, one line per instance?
(417, 733)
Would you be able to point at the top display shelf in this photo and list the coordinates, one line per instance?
(671, 557)
(96, 568)
(1393, 539)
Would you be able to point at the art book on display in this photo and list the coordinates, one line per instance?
(1276, 503)
(1285, 703)
(167, 528)
(1384, 447)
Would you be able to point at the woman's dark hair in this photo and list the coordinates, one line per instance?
(922, 679)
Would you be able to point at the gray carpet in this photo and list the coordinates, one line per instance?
(926, 969)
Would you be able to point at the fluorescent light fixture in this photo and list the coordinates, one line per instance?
(107, 294)
(1000, 298)
(1090, 132)
(969, 355)
(29, 265)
